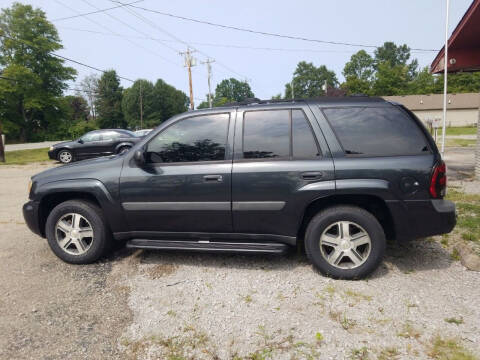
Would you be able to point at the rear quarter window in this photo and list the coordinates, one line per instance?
(376, 131)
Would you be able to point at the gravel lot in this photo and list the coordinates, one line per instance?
(158, 305)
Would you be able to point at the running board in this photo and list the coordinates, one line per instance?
(210, 246)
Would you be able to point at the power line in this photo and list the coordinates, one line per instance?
(95, 12)
(66, 58)
(232, 46)
(114, 33)
(292, 37)
(178, 39)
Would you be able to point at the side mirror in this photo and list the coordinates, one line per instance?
(139, 157)
(80, 141)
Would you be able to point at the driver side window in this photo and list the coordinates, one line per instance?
(199, 138)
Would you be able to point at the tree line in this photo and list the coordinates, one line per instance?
(33, 81)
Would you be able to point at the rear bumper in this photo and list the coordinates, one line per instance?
(422, 218)
(31, 216)
(52, 155)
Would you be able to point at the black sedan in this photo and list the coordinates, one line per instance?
(94, 144)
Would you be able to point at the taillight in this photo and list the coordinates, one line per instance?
(438, 184)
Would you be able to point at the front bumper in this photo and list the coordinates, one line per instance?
(52, 154)
(422, 218)
(31, 216)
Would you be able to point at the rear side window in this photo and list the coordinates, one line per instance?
(266, 134)
(376, 131)
(278, 134)
(304, 145)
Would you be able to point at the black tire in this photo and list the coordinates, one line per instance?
(324, 220)
(68, 154)
(123, 149)
(100, 242)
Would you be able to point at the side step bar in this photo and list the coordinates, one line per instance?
(210, 246)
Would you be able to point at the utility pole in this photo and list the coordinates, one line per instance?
(2, 149)
(209, 70)
(141, 106)
(189, 62)
(445, 72)
(291, 87)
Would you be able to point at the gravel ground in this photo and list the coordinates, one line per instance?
(160, 305)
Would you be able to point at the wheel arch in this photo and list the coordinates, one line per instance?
(371, 203)
(122, 144)
(91, 190)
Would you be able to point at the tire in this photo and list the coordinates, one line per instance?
(65, 156)
(123, 149)
(81, 248)
(331, 230)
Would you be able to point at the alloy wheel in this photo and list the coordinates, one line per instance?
(345, 245)
(74, 234)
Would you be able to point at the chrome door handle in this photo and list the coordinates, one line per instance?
(213, 178)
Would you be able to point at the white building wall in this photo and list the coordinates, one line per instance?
(455, 117)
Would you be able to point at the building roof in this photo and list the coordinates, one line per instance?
(463, 45)
(435, 101)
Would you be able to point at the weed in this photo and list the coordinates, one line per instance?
(388, 353)
(357, 295)
(456, 321)
(359, 354)
(330, 289)
(171, 313)
(248, 299)
(319, 337)
(455, 255)
(409, 332)
(449, 349)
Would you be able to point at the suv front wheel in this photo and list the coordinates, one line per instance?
(77, 232)
(345, 242)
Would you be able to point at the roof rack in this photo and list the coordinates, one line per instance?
(256, 101)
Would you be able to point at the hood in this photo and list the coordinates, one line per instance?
(82, 169)
(64, 143)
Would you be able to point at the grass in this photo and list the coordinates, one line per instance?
(449, 349)
(458, 142)
(468, 222)
(22, 157)
(463, 130)
(409, 332)
(359, 354)
(388, 353)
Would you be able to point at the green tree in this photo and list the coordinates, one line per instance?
(358, 73)
(131, 105)
(32, 99)
(309, 80)
(233, 90)
(109, 101)
(169, 100)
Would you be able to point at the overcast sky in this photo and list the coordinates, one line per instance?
(89, 39)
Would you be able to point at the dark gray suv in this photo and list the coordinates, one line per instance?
(338, 176)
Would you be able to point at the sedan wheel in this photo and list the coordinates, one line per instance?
(74, 234)
(65, 156)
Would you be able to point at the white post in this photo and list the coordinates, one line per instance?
(445, 66)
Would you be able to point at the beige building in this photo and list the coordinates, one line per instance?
(462, 109)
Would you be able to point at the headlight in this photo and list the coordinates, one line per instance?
(29, 187)
(51, 148)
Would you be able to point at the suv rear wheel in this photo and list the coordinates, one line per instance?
(77, 232)
(345, 242)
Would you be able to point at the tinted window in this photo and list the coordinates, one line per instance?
(199, 138)
(303, 142)
(377, 131)
(266, 134)
(92, 136)
(111, 135)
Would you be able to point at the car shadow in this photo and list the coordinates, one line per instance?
(410, 257)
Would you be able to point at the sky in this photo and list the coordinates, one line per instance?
(117, 39)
